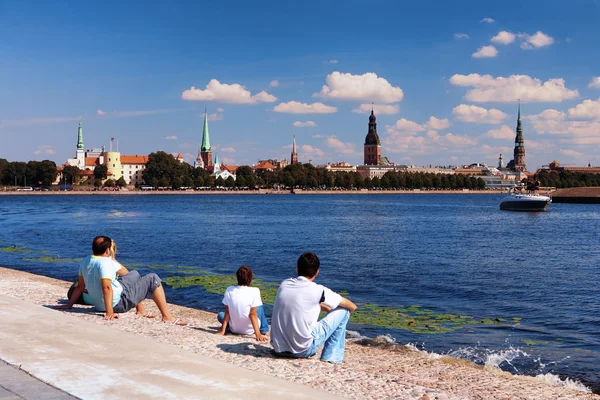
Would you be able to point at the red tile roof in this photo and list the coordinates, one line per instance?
(230, 168)
(92, 161)
(265, 165)
(134, 160)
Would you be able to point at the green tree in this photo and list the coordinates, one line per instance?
(100, 172)
(198, 181)
(188, 181)
(121, 182)
(47, 172)
(240, 180)
(97, 182)
(71, 174)
(177, 182)
(109, 183)
(219, 182)
(153, 182)
(163, 182)
(229, 182)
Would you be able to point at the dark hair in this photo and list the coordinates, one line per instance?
(308, 265)
(100, 244)
(244, 275)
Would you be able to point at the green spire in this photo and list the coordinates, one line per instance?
(80, 137)
(205, 139)
(519, 138)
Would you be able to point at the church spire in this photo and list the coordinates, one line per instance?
(80, 137)
(205, 139)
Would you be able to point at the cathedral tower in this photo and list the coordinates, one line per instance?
(519, 153)
(372, 149)
(294, 156)
(205, 151)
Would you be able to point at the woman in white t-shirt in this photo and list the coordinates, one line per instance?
(244, 312)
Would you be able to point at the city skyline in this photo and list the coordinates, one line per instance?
(445, 90)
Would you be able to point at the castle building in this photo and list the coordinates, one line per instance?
(204, 159)
(519, 153)
(372, 149)
(294, 152)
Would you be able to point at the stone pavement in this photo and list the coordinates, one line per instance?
(18, 385)
(93, 361)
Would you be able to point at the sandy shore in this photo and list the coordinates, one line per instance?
(367, 372)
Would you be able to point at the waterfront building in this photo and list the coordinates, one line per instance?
(133, 167)
(264, 166)
(555, 166)
(339, 167)
(276, 163)
(219, 171)
(372, 147)
(294, 156)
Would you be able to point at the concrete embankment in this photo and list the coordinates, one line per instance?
(583, 195)
(136, 357)
(246, 192)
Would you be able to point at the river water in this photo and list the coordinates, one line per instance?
(537, 273)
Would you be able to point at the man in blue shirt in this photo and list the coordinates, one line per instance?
(98, 274)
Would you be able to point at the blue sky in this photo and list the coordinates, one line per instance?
(444, 76)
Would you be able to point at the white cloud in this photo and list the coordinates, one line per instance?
(488, 20)
(125, 114)
(595, 83)
(365, 87)
(380, 109)
(571, 153)
(404, 125)
(294, 107)
(504, 37)
(274, 83)
(339, 146)
(588, 109)
(20, 123)
(171, 137)
(225, 93)
(411, 127)
(227, 160)
(485, 52)
(437, 124)
(45, 149)
(539, 39)
(220, 110)
(309, 151)
(228, 150)
(307, 124)
(331, 62)
(215, 117)
(553, 122)
(461, 36)
(508, 90)
(478, 115)
(502, 133)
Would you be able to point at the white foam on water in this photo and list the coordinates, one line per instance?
(555, 380)
(494, 360)
(430, 355)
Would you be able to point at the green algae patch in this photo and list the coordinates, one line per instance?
(217, 284)
(415, 318)
(14, 250)
(530, 342)
(52, 259)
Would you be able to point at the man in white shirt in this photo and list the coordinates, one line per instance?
(295, 328)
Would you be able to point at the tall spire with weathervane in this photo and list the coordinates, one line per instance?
(294, 152)
(519, 152)
(205, 150)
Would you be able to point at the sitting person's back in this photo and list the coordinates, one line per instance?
(295, 328)
(244, 312)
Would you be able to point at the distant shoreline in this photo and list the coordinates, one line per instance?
(246, 192)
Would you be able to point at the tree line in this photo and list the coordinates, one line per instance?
(567, 179)
(163, 170)
(32, 173)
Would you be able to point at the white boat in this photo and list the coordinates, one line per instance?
(519, 200)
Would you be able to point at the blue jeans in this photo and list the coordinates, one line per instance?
(331, 331)
(260, 313)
